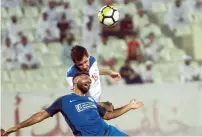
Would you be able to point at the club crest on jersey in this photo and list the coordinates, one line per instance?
(94, 77)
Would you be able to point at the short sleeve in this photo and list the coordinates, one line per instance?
(101, 110)
(55, 107)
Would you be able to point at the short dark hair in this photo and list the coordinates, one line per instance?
(78, 52)
(79, 74)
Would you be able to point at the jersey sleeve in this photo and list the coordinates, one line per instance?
(55, 107)
(101, 110)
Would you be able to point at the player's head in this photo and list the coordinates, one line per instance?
(80, 58)
(82, 82)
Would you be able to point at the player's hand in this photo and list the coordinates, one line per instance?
(136, 104)
(115, 76)
(2, 132)
(10, 130)
(108, 106)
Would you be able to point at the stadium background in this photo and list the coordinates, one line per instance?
(48, 81)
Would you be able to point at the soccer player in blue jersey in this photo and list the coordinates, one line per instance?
(82, 114)
(84, 62)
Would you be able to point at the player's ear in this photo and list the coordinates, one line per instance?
(75, 81)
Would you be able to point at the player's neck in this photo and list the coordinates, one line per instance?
(78, 91)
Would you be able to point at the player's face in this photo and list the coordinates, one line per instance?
(83, 83)
(83, 65)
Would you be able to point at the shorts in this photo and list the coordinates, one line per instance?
(113, 131)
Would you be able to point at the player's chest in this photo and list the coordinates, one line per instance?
(94, 75)
(82, 105)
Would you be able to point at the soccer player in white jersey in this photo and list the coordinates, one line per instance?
(84, 62)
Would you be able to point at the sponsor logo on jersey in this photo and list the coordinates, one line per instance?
(85, 106)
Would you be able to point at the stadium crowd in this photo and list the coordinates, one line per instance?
(133, 47)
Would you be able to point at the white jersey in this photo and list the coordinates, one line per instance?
(95, 88)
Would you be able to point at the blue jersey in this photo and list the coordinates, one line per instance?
(81, 113)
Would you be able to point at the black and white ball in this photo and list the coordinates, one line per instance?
(108, 15)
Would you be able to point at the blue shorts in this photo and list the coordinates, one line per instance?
(113, 131)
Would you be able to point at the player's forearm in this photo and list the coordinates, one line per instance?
(36, 118)
(117, 112)
(105, 71)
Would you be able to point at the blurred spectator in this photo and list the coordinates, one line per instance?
(65, 53)
(53, 14)
(63, 26)
(126, 26)
(152, 48)
(10, 3)
(89, 12)
(14, 31)
(67, 10)
(111, 31)
(147, 73)
(129, 75)
(126, 7)
(187, 71)
(28, 61)
(8, 54)
(194, 5)
(37, 3)
(141, 19)
(23, 47)
(47, 32)
(134, 51)
(89, 38)
(177, 15)
(149, 28)
(106, 53)
(146, 4)
(89, 9)
(108, 2)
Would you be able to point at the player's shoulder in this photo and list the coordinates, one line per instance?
(71, 71)
(92, 61)
(67, 97)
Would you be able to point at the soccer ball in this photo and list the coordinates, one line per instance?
(108, 15)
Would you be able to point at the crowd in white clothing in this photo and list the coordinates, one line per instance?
(59, 23)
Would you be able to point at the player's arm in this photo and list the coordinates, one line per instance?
(115, 75)
(120, 111)
(36, 118)
(70, 83)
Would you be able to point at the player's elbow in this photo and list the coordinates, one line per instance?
(38, 117)
(108, 116)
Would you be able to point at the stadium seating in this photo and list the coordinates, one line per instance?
(52, 72)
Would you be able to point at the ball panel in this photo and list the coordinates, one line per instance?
(108, 21)
(116, 15)
(107, 11)
(108, 15)
(100, 17)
